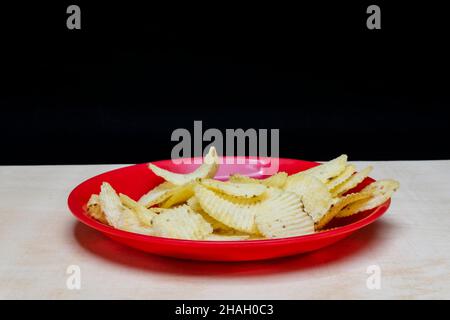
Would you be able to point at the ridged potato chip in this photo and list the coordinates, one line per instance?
(351, 182)
(158, 194)
(245, 190)
(117, 214)
(277, 180)
(339, 204)
(94, 209)
(181, 223)
(314, 194)
(281, 215)
(380, 191)
(343, 176)
(144, 215)
(195, 206)
(325, 171)
(207, 169)
(234, 215)
(179, 195)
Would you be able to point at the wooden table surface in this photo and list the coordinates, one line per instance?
(40, 239)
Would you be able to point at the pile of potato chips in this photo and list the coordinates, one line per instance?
(194, 206)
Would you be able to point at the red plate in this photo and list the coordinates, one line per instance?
(138, 179)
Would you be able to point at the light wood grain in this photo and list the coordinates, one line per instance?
(39, 239)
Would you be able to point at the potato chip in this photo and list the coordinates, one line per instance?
(281, 215)
(158, 194)
(193, 203)
(179, 195)
(245, 190)
(277, 180)
(351, 182)
(117, 214)
(94, 209)
(181, 223)
(325, 171)
(207, 169)
(338, 206)
(343, 176)
(144, 215)
(237, 216)
(314, 194)
(380, 191)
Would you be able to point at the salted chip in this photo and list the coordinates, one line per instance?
(207, 169)
(245, 190)
(325, 171)
(117, 214)
(94, 209)
(179, 195)
(338, 205)
(343, 176)
(158, 194)
(238, 216)
(181, 223)
(380, 191)
(351, 182)
(281, 215)
(193, 203)
(314, 194)
(144, 214)
(277, 180)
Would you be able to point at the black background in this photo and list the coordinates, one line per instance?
(114, 91)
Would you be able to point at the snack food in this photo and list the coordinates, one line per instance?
(195, 206)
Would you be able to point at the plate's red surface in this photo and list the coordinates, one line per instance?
(138, 179)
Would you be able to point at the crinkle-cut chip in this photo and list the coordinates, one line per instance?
(193, 203)
(245, 190)
(327, 170)
(179, 195)
(220, 237)
(207, 169)
(277, 180)
(281, 215)
(338, 206)
(158, 194)
(314, 194)
(181, 223)
(351, 182)
(94, 209)
(343, 176)
(144, 214)
(237, 216)
(380, 191)
(117, 214)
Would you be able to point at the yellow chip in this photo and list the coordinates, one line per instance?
(380, 191)
(144, 215)
(281, 215)
(181, 223)
(237, 216)
(351, 182)
(179, 195)
(207, 169)
(325, 171)
(245, 190)
(117, 214)
(277, 180)
(158, 194)
(193, 203)
(94, 209)
(314, 194)
(339, 204)
(343, 176)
